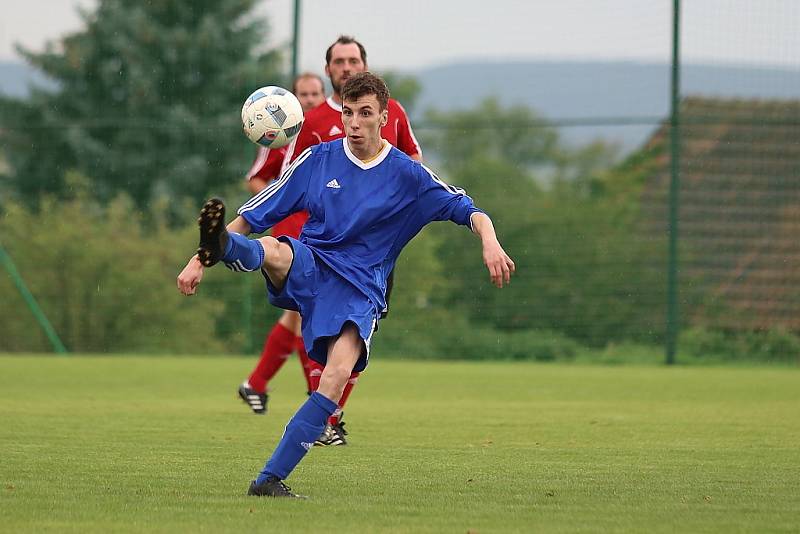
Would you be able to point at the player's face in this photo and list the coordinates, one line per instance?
(363, 120)
(345, 61)
(309, 92)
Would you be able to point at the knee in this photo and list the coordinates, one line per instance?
(271, 246)
(277, 254)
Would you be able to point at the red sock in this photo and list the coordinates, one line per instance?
(305, 362)
(337, 415)
(315, 371)
(277, 348)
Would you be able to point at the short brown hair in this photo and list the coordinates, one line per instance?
(307, 76)
(363, 84)
(346, 39)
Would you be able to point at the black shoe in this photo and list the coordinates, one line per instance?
(332, 435)
(257, 401)
(213, 235)
(272, 487)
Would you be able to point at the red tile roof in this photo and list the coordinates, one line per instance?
(739, 222)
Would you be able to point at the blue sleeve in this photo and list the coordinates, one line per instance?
(281, 198)
(439, 201)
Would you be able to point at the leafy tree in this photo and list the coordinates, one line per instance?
(515, 134)
(405, 89)
(417, 316)
(146, 102)
(103, 277)
(567, 219)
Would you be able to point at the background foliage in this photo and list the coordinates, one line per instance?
(146, 103)
(104, 172)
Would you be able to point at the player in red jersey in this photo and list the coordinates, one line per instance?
(285, 337)
(346, 57)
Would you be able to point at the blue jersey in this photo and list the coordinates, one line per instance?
(361, 215)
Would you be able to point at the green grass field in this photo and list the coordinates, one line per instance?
(101, 444)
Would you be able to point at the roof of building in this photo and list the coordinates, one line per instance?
(739, 210)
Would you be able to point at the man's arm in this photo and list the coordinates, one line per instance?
(256, 184)
(406, 140)
(280, 199)
(306, 138)
(283, 197)
(265, 169)
(494, 257)
(439, 201)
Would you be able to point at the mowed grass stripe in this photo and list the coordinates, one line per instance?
(131, 444)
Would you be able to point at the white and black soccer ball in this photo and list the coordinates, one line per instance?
(272, 116)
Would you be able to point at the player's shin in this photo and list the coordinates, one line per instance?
(301, 432)
(277, 348)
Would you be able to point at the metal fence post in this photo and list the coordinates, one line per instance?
(41, 318)
(674, 191)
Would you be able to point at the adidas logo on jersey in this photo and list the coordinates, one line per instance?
(333, 184)
(334, 131)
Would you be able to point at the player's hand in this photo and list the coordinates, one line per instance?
(497, 261)
(190, 277)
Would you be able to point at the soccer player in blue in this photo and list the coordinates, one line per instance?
(366, 200)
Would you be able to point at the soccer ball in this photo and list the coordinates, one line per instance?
(272, 117)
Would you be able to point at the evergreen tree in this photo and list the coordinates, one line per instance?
(147, 101)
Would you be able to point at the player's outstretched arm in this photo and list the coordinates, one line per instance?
(500, 266)
(191, 275)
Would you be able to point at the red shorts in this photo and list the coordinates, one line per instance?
(291, 225)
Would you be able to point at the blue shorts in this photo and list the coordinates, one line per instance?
(326, 300)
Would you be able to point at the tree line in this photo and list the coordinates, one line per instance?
(102, 176)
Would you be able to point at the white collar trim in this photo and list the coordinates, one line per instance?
(387, 147)
(332, 103)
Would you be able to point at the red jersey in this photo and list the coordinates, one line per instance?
(324, 123)
(267, 166)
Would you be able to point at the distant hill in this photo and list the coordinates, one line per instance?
(561, 91)
(594, 90)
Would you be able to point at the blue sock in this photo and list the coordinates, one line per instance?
(242, 254)
(300, 434)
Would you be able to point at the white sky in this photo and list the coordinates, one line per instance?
(413, 34)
